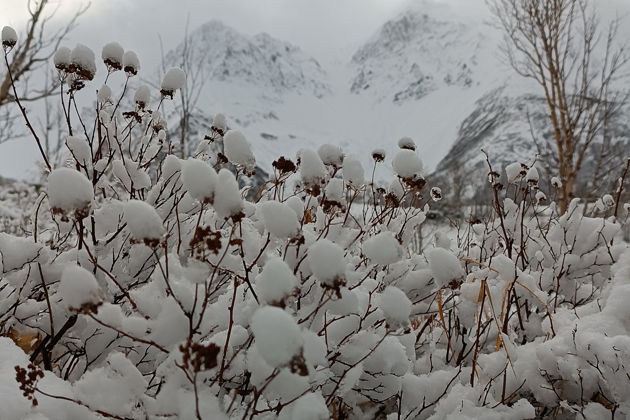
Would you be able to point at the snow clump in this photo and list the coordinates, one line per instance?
(407, 164)
(532, 176)
(199, 179)
(275, 282)
(280, 220)
(228, 202)
(62, 58)
(104, 94)
(353, 172)
(131, 63)
(312, 169)
(395, 304)
(277, 336)
(83, 61)
(515, 172)
(407, 143)
(112, 55)
(238, 150)
(445, 266)
(331, 155)
(69, 191)
(80, 149)
(142, 97)
(327, 262)
(78, 287)
(383, 248)
(174, 79)
(143, 221)
(378, 155)
(9, 37)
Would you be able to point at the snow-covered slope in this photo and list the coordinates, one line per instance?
(274, 66)
(416, 54)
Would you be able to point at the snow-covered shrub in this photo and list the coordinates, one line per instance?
(147, 286)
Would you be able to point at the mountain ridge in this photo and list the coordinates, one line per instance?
(427, 73)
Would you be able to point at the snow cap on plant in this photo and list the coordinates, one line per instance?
(142, 97)
(219, 123)
(104, 94)
(131, 63)
(353, 173)
(312, 170)
(9, 38)
(144, 222)
(378, 155)
(326, 261)
(112, 55)
(238, 150)
(407, 143)
(79, 289)
(69, 193)
(331, 155)
(174, 79)
(83, 62)
(62, 58)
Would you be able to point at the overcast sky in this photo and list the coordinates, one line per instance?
(323, 28)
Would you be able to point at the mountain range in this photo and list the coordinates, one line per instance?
(433, 73)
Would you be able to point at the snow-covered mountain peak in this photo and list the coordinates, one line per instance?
(262, 61)
(420, 51)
